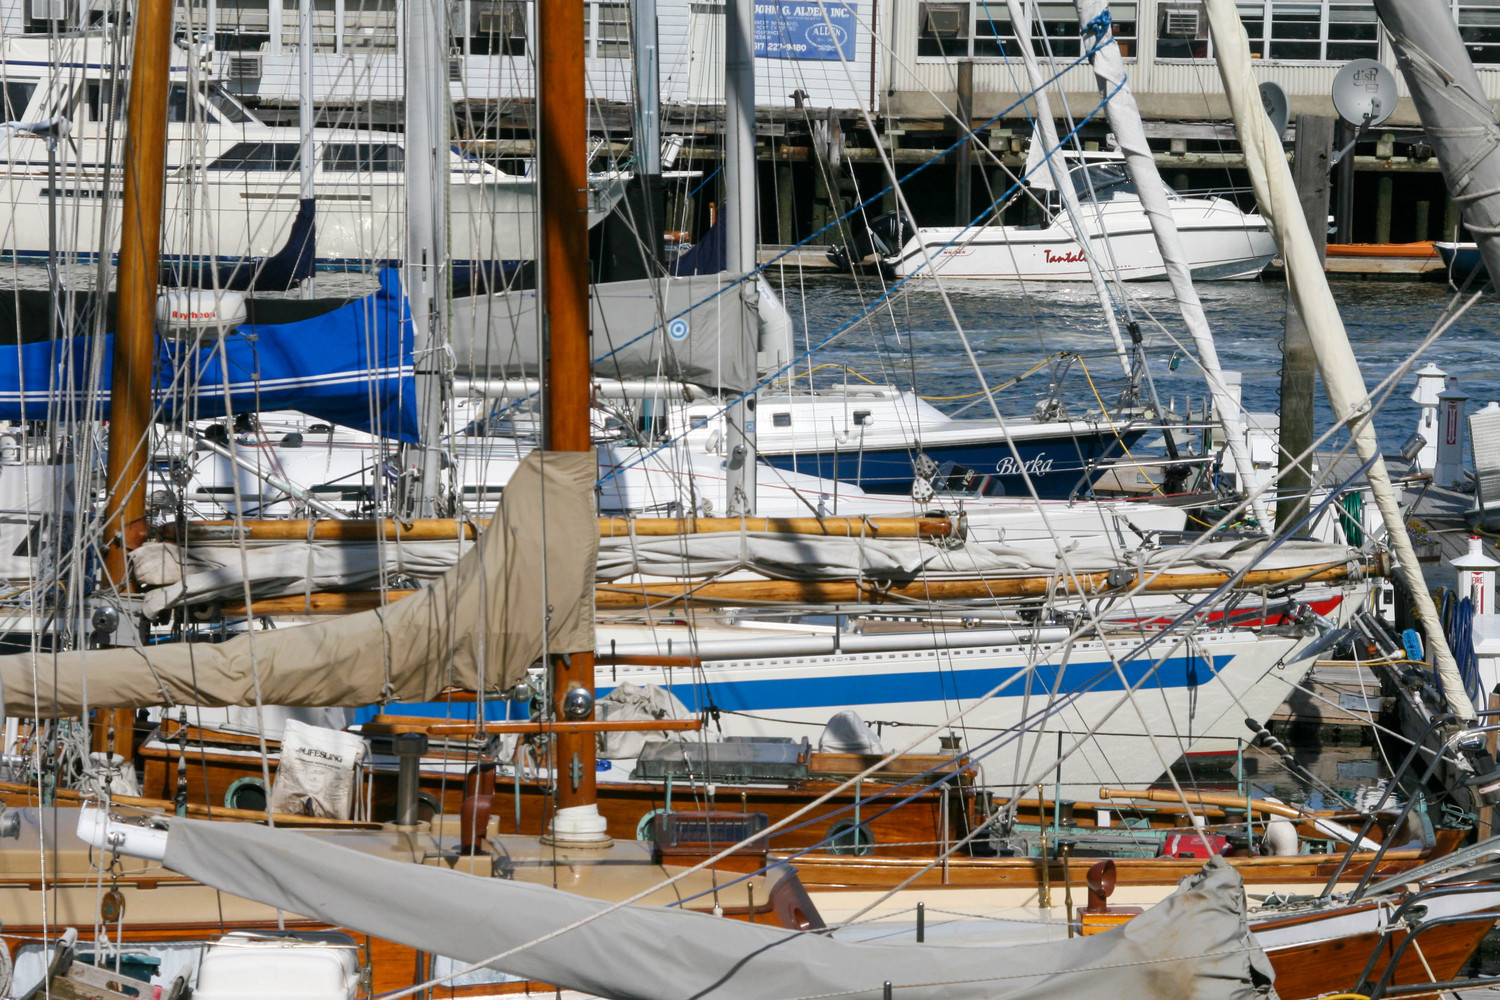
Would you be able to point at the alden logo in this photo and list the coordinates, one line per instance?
(1041, 465)
(1071, 257)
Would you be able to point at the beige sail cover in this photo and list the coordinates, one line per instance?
(480, 625)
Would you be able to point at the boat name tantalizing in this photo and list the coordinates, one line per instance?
(1040, 465)
(1071, 257)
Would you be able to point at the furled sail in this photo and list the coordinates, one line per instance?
(1195, 945)
(350, 365)
(1458, 117)
(674, 328)
(177, 575)
(478, 626)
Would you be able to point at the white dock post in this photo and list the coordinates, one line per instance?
(1430, 382)
(1476, 576)
(1449, 470)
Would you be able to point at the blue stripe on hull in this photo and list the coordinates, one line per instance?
(935, 685)
(1059, 467)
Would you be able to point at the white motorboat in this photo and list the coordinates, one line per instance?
(233, 188)
(1222, 242)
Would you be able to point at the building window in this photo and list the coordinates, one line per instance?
(983, 30)
(1479, 27)
(497, 28)
(369, 25)
(609, 30)
(243, 26)
(1283, 30)
(943, 29)
(324, 25)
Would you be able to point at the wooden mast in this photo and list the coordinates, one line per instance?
(135, 327)
(563, 178)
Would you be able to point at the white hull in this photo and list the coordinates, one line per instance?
(1220, 241)
(893, 682)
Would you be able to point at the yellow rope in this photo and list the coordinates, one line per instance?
(1105, 411)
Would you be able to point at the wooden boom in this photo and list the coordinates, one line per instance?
(625, 597)
(444, 529)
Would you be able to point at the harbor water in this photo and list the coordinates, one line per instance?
(910, 338)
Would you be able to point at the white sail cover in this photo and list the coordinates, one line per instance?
(1455, 113)
(199, 574)
(478, 626)
(673, 328)
(1195, 945)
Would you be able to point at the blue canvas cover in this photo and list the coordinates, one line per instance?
(350, 366)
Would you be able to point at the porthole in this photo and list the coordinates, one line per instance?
(246, 793)
(848, 837)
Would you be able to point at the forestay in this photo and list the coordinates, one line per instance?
(479, 626)
(1195, 945)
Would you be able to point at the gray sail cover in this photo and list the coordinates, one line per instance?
(1195, 945)
(478, 626)
(1457, 116)
(698, 329)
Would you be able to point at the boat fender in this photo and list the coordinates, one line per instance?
(1281, 839)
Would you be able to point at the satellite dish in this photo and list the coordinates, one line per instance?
(1364, 93)
(1274, 100)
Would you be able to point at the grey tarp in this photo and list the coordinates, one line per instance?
(1457, 117)
(480, 624)
(1195, 945)
(673, 328)
(177, 574)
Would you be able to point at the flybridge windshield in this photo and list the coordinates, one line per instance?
(1103, 180)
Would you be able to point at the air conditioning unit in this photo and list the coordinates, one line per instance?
(1181, 22)
(245, 65)
(49, 10)
(455, 69)
(946, 21)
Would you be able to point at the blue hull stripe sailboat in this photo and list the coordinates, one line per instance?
(350, 366)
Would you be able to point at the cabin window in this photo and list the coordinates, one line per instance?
(282, 156)
(228, 110)
(609, 37)
(697, 423)
(861, 418)
(983, 29)
(17, 99)
(497, 28)
(364, 157)
(781, 420)
(98, 95)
